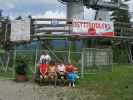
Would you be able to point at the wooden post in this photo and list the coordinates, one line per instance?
(14, 61)
(36, 60)
(6, 32)
(69, 52)
(82, 64)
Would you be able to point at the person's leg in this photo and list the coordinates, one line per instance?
(41, 77)
(58, 75)
(73, 79)
(45, 66)
(69, 84)
(73, 84)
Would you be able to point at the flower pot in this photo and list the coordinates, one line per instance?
(21, 78)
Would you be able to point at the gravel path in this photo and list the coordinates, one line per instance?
(10, 90)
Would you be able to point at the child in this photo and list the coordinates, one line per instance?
(71, 75)
(43, 64)
(61, 69)
(52, 71)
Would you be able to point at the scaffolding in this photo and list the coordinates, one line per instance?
(43, 32)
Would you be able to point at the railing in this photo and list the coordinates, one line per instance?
(44, 25)
(105, 4)
(64, 25)
(123, 29)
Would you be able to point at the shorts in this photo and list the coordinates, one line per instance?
(71, 76)
(43, 68)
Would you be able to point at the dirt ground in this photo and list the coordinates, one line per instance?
(10, 90)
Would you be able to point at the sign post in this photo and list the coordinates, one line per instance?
(20, 30)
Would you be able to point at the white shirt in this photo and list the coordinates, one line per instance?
(45, 59)
(61, 68)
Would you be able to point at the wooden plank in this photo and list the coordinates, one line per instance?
(48, 19)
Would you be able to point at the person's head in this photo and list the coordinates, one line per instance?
(45, 52)
(60, 62)
(57, 62)
(100, 19)
(52, 62)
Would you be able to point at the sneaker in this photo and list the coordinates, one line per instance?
(69, 84)
(73, 85)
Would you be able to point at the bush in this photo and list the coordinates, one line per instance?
(21, 65)
(21, 68)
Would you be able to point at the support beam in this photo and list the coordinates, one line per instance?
(75, 10)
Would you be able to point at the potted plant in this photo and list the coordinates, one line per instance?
(21, 70)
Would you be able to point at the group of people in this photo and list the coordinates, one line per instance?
(51, 69)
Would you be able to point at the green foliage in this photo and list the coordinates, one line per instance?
(21, 69)
(121, 20)
(120, 55)
(25, 58)
(22, 62)
(120, 15)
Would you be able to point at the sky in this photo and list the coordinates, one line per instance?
(41, 8)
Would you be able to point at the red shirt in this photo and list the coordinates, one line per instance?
(69, 68)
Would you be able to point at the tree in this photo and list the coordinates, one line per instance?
(4, 39)
(121, 18)
(121, 15)
(122, 25)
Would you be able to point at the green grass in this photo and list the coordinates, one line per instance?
(115, 85)
(6, 75)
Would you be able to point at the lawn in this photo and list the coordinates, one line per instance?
(115, 85)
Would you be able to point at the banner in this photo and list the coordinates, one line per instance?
(93, 28)
(20, 30)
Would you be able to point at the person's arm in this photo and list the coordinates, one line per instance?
(41, 72)
(49, 58)
(57, 68)
(40, 60)
(64, 67)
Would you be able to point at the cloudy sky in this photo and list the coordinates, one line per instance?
(40, 8)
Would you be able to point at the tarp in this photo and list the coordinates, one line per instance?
(20, 30)
(93, 28)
